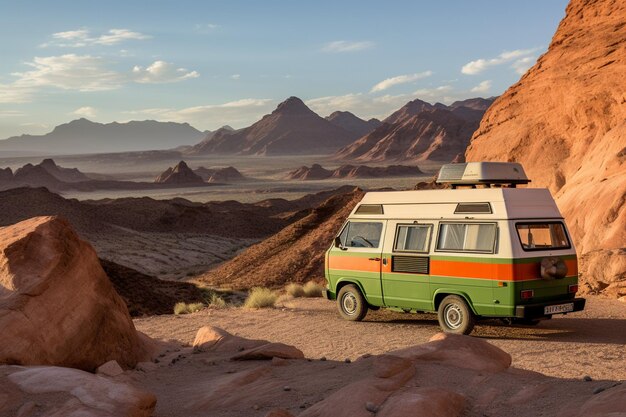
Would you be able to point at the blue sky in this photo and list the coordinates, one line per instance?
(212, 63)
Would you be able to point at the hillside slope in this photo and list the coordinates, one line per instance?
(295, 254)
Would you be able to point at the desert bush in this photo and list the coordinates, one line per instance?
(217, 301)
(312, 289)
(260, 298)
(186, 308)
(295, 290)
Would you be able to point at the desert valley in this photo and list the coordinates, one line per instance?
(150, 268)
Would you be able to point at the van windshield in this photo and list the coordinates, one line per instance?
(541, 236)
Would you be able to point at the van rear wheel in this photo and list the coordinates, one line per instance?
(351, 303)
(455, 316)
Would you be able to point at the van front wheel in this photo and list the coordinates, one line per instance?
(351, 303)
(455, 316)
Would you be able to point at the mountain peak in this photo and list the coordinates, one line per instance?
(293, 105)
(48, 162)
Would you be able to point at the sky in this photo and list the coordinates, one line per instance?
(212, 63)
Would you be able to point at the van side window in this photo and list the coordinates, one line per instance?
(467, 237)
(412, 238)
(361, 234)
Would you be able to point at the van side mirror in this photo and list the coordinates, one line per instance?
(338, 242)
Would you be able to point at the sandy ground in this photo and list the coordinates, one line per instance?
(592, 342)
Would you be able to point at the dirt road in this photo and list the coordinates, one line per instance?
(592, 342)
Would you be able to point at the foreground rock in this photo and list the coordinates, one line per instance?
(57, 306)
(53, 391)
(564, 121)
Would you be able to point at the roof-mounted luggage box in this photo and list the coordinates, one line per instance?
(483, 173)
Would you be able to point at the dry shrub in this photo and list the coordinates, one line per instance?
(217, 302)
(185, 308)
(295, 290)
(313, 289)
(261, 298)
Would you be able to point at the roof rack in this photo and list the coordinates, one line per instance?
(488, 174)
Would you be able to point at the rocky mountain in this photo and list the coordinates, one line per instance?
(317, 172)
(228, 174)
(83, 136)
(295, 254)
(291, 129)
(352, 123)
(565, 121)
(420, 131)
(179, 174)
(63, 174)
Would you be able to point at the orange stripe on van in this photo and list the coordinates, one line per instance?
(353, 263)
(501, 272)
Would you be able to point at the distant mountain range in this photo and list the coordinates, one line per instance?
(291, 129)
(420, 131)
(417, 131)
(84, 136)
(317, 172)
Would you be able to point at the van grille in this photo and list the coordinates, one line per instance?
(410, 264)
(370, 209)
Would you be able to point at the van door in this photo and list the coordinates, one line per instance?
(358, 259)
(406, 265)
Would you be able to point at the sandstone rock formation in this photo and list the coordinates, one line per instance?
(295, 254)
(56, 392)
(565, 122)
(291, 129)
(420, 131)
(57, 306)
(179, 174)
(317, 172)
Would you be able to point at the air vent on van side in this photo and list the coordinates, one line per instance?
(369, 209)
(410, 264)
(473, 208)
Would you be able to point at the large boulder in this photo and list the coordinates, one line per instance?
(58, 392)
(57, 306)
(459, 351)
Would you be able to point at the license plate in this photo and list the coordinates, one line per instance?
(560, 308)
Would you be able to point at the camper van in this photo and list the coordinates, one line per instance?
(482, 248)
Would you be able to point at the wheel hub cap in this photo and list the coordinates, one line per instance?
(349, 303)
(454, 316)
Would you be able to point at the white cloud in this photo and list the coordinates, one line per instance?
(82, 37)
(240, 113)
(347, 46)
(84, 73)
(400, 79)
(522, 65)
(11, 113)
(70, 72)
(86, 111)
(480, 65)
(161, 72)
(205, 27)
(483, 87)
(235, 76)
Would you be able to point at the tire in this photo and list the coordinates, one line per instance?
(455, 316)
(351, 303)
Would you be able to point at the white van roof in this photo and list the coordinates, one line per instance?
(488, 203)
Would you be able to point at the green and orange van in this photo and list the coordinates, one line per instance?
(481, 249)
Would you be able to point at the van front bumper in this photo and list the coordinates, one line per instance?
(535, 311)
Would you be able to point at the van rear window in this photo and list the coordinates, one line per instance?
(542, 236)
